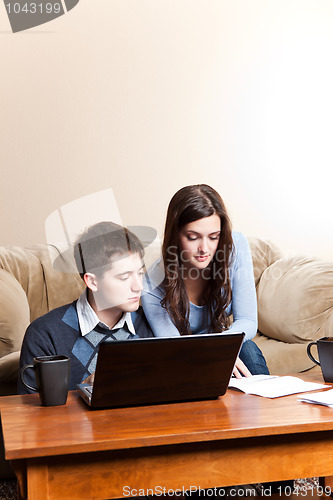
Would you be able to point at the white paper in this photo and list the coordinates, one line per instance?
(271, 386)
(320, 398)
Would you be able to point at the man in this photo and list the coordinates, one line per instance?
(109, 259)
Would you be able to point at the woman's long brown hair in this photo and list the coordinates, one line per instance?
(189, 204)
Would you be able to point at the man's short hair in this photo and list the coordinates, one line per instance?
(101, 244)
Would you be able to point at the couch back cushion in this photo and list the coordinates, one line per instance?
(45, 287)
(15, 314)
(295, 300)
(264, 253)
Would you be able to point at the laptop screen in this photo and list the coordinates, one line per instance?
(164, 369)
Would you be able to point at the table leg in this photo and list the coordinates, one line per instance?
(19, 467)
(327, 484)
(32, 479)
(37, 480)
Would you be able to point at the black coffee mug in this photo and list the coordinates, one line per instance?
(52, 377)
(325, 353)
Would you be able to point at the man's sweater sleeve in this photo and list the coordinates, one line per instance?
(35, 343)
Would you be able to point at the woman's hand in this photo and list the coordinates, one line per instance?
(91, 378)
(240, 369)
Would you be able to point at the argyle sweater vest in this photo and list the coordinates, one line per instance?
(58, 332)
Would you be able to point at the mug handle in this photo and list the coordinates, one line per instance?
(309, 353)
(22, 378)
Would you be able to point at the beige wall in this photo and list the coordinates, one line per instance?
(146, 96)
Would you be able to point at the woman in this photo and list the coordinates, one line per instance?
(207, 276)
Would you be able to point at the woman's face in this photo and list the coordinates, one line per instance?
(198, 241)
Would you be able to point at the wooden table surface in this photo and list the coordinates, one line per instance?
(233, 440)
(76, 428)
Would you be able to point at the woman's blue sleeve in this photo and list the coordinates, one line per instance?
(244, 299)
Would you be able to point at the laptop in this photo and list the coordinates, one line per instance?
(158, 370)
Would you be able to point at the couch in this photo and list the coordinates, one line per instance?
(295, 304)
(29, 288)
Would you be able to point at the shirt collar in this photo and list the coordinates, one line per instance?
(88, 319)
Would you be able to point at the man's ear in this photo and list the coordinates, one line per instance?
(91, 281)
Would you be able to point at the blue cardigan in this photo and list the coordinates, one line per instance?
(243, 306)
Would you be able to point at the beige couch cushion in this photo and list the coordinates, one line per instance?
(264, 253)
(15, 314)
(9, 368)
(283, 358)
(295, 300)
(45, 287)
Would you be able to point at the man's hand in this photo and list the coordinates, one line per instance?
(90, 379)
(240, 369)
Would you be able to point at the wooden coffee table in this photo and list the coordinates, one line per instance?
(75, 453)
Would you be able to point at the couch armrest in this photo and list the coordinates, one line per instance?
(14, 313)
(295, 300)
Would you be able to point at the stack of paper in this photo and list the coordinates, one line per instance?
(270, 386)
(319, 398)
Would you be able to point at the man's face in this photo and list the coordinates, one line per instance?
(120, 287)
